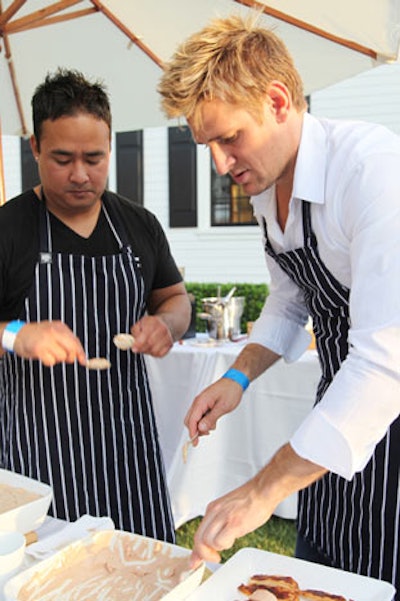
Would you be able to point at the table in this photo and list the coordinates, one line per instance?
(271, 409)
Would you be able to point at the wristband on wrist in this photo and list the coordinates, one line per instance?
(10, 333)
(237, 376)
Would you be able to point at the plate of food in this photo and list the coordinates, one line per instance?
(252, 574)
(113, 565)
(24, 502)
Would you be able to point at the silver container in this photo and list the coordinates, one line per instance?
(223, 319)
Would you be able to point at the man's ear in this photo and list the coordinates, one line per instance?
(280, 100)
(34, 147)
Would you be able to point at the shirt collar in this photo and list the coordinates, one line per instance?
(309, 174)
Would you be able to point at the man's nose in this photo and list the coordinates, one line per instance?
(223, 160)
(79, 172)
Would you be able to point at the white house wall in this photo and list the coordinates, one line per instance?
(207, 254)
(371, 96)
(12, 165)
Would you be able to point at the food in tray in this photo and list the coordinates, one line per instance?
(265, 587)
(112, 565)
(12, 497)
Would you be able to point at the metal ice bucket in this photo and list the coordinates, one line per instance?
(223, 319)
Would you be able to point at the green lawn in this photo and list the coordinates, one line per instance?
(277, 535)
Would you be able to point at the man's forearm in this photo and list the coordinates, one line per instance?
(176, 313)
(254, 359)
(285, 474)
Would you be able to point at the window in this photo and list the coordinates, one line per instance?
(229, 204)
(182, 178)
(130, 165)
(29, 168)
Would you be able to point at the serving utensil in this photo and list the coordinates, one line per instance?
(123, 341)
(186, 446)
(98, 363)
(225, 300)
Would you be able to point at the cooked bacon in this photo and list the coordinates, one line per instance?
(274, 580)
(282, 593)
(313, 595)
(285, 588)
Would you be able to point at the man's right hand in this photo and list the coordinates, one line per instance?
(212, 403)
(49, 341)
(225, 395)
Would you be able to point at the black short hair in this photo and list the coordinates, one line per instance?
(68, 92)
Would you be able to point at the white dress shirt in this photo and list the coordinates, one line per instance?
(350, 172)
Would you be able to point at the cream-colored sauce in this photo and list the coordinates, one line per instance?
(13, 496)
(120, 568)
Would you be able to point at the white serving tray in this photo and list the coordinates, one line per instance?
(94, 543)
(222, 585)
(30, 516)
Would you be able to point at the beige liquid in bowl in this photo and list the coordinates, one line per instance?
(12, 497)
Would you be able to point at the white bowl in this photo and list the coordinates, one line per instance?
(30, 516)
(12, 549)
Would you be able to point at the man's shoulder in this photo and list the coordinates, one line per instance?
(131, 210)
(364, 135)
(20, 208)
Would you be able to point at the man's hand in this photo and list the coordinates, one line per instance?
(212, 403)
(246, 508)
(152, 336)
(228, 518)
(224, 395)
(167, 319)
(49, 341)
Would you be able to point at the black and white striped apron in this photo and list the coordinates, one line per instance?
(355, 524)
(90, 434)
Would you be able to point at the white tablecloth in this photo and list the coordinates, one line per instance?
(271, 409)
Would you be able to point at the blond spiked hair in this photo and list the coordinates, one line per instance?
(233, 60)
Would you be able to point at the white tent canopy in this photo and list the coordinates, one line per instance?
(124, 43)
(98, 43)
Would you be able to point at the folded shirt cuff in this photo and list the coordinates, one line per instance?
(319, 441)
(284, 337)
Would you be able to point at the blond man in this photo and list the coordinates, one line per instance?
(325, 194)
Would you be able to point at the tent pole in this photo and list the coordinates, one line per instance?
(307, 27)
(8, 56)
(133, 38)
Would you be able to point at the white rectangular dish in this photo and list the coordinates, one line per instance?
(222, 585)
(112, 565)
(30, 516)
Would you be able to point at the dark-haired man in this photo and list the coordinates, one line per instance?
(79, 265)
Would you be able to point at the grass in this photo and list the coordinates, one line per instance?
(277, 535)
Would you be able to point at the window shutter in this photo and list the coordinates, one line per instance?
(130, 165)
(182, 178)
(29, 168)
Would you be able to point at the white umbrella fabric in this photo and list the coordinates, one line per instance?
(125, 43)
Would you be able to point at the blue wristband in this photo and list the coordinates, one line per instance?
(10, 333)
(237, 376)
